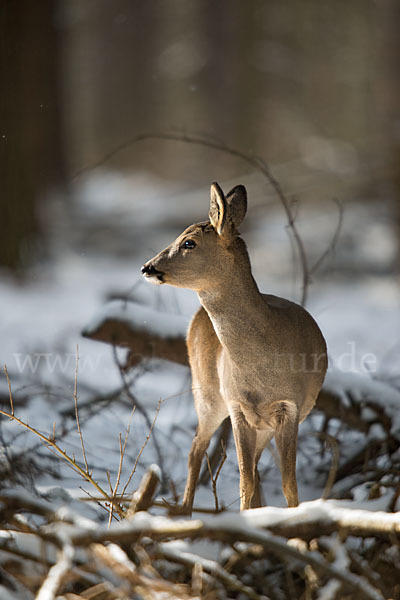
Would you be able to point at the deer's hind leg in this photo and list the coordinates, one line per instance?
(245, 441)
(286, 443)
(264, 436)
(250, 443)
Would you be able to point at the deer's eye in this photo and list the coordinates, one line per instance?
(189, 245)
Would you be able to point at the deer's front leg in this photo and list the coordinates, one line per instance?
(197, 451)
(209, 421)
(245, 441)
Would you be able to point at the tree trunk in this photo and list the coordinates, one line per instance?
(31, 157)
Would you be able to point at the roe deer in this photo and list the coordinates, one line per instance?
(258, 358)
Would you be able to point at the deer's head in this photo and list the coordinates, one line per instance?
(202, 256)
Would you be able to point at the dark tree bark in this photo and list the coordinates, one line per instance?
(30, 155)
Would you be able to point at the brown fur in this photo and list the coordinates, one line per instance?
(258, 358)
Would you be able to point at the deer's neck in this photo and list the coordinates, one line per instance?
(236, 307)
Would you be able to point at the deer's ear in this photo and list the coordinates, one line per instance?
(217, 214)
(237, 205)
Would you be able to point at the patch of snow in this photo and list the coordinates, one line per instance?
(377, 432)
(366, 389)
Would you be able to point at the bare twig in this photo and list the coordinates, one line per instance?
(100, 501)
(150, 584)
(76, 410)
(146, 441)
(266, 531)
(140, 408)
(333, 445)
(15, 551)
(393, 502)
(90, 498)
(223, 438)
(16, 501)
(223, 459)
(327, 516)
(209, 566)
(333, 242)
(214, 478)
(53, 446)
(364, 567)
(111, 510)
(9, 390)
(49, 442)
(122, 449)
(55, 576)
(309, 520)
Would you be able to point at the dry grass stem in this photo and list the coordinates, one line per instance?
(76, 410)
(9, 390)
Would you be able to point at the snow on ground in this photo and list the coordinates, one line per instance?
(42, 319)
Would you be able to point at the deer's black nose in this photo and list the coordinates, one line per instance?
(147, 269)
(150, 271)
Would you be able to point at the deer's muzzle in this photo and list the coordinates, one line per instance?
(149, 271)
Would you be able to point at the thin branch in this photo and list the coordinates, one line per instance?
(214, 478)
(209, 566)
(140, 408)
(255, 161)
(109, 481)
(148, 580)
(51, 585)
(122, 449)
(126, 499)
(71, 461)
(223, 438)
(333, 445)
(146, 441)
(111, 511)
(333, 242)
(119, 497)
(309, 520)
(5, 547)
(99, 501)
(16, 501)
(223, 459)
(9, 390)
(76, 410)
(241, 529)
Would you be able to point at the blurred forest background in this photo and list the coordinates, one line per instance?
(312, 87)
